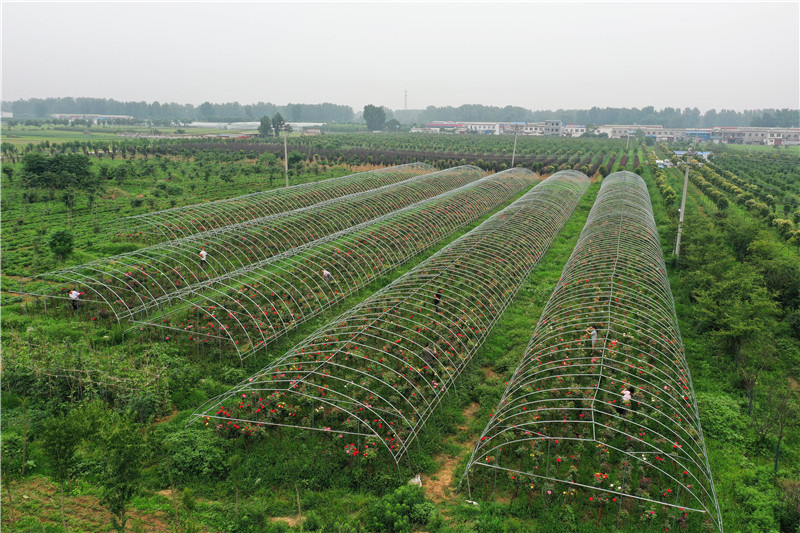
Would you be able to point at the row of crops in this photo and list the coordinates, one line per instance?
(769, 193)
(776, 175)
(601, 405)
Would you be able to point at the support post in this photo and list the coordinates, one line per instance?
(285, 159)
(514, 152)
(683, 206)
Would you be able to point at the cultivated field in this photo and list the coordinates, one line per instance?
(410, 306)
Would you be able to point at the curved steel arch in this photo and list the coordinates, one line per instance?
(567, 394)
(166, 269)
(180, 222)
(369, 364)
(390, 241)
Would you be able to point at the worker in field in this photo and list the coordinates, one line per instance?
(74, 296)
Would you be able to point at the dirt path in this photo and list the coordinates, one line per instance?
(440, 489)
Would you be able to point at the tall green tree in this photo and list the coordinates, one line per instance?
(278, 123)
(374, 116)
(265, 128)
(206, 110)
(393, 125)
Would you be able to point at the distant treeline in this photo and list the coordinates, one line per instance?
(233, 111)
(669, 117)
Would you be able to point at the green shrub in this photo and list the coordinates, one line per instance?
(61, 243)
(399, 511)
(196, 454)
(721, 416)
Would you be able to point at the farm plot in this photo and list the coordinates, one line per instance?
(379, 370)
(134, 283)
(602, 401)
(250, 310)
(189, 220)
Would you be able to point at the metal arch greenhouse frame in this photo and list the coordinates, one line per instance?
(374, 371)
(250, 310)
(567, 395)
(136, 282)
(180, 222)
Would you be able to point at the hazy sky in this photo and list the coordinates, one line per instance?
(535, 55)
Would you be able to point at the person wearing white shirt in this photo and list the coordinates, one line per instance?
(73, 296)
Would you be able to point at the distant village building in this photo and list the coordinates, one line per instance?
(573, 130)
(553, 128)
(556, 128)
(7, 114)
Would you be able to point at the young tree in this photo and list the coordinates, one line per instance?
(123, 445)
(265, 129)
(787, 418)
(374, 116)
(12, 458)
(8, 172)
(60, 437)
(61, 243)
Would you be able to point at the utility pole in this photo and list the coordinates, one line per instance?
(285, 157)
(683, 205)
(406, 101)
(514, 152)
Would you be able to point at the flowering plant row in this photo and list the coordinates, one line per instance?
(137, 282)
(381, 368)
(179, 222)
(252, 309)
(603, 391)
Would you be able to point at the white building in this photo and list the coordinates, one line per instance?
(574, 130)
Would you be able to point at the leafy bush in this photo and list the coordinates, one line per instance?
(399, 511)
(196, 455)
(61, 243)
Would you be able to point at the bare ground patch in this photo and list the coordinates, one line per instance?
(440, 489)
(291, 521)
(38, 497)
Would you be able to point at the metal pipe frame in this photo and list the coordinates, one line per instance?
(260, 306)
(136, 283)
(367, 369)
(568, 393)
(180, 222)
